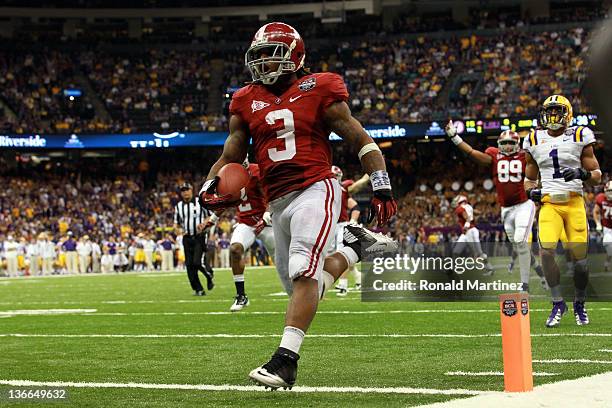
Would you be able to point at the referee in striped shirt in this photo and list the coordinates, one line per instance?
(192, 218)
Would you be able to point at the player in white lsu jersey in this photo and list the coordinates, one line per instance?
(562, 156)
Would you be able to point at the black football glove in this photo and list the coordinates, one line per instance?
(535, 194)
(579, 173)
(382, 206)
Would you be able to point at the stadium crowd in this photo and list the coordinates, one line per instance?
(90, 216)
(75, 213)
(390, 79)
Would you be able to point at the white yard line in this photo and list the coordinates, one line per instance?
(44, 312)
(592, 392)
(491, 373)
(241, 336)
(573, 361)
(122, 302)
(131, 273)
(279, 312)
(244, 388)
(606, 351)
(331, 336)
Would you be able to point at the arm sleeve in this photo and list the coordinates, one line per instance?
(527, 140)
(334, 90)
(588, 137)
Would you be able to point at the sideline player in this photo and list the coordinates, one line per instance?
(507, 164)
(349, 214)
(470, 236)
(563, 157)
(289, 113)
(602, 214)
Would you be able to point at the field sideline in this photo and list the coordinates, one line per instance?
(143, 340)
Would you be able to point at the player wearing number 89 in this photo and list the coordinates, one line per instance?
(507, 164)
(562, 156)
(602, 214)
(288, 114)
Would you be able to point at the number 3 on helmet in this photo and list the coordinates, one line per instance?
(276, 49)
(508, 142)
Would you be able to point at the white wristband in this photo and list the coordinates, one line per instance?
(380, 180)
(457, 140)
(214, 218)
(370, 147)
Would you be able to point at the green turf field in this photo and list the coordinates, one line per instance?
(149, 329)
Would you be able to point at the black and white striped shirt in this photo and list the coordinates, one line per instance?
(189, 214)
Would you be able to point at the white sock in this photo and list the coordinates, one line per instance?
(343, 283)
(292, 339)
(239, 278)
(356, 274)
(524, 257)
(351, 256)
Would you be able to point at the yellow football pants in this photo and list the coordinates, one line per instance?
(567, 219)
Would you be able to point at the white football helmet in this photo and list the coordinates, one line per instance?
(509, 142)
(608, 190)
(337, 172)
(458, 200)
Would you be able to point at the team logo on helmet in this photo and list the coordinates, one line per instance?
(307, 84)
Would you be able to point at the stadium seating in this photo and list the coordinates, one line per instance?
(398, 77)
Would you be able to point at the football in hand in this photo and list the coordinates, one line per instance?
(233, 178)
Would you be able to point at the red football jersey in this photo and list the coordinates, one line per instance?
(508, 175)
(253, 203)
(606, 209)
(344, 215)
(463, 212)
(291, 139)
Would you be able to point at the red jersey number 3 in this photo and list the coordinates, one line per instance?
(287, 133)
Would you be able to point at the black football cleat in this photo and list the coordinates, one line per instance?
(364, 241)
(279, 372)
(240, 302)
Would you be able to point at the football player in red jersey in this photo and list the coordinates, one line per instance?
(507, 164)
(470, 235)
(288, 114)
(253, 221)
(349, 213)
(602, 214)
